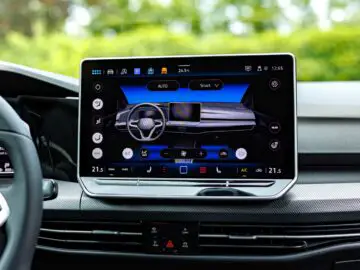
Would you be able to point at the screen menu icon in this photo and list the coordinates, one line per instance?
(164, 70)
(137, 71)
(97, 121)
(150, 71)
(183, 169)
(123, 71)
(97, 153)
(248, 68)
(98, 104)
(96, 72)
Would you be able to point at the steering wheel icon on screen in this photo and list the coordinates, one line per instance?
(149, 126)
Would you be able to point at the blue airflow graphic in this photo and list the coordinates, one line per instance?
(140, 94)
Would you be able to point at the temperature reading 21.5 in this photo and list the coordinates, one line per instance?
(273, 170)
(97, 169)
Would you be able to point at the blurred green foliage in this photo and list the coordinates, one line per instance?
(321, 55)
(54, 35)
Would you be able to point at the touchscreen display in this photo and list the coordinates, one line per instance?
(201, 117)
(187, 112)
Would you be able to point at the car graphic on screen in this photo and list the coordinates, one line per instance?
(186, 118)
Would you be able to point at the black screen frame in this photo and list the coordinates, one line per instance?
(89, 64)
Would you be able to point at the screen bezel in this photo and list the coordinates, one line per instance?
(276, 195)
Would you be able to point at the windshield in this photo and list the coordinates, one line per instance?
(54, 35)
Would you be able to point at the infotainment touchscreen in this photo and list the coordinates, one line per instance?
(188, 117)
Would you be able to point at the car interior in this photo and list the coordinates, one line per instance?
(215, 166)
(174, 134)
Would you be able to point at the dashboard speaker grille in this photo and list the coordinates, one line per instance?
(94, 236)
(272, 239)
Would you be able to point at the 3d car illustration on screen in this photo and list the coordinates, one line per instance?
(150, 120)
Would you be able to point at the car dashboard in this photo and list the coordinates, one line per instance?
(315, 225)
(212, 119)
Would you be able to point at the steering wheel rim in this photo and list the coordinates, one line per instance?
(24, 196)
(158, 123)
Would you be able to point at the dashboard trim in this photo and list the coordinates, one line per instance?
(302, 259)
(303, 204)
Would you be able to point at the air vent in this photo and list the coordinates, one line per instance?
(271, 239)
(94, 236)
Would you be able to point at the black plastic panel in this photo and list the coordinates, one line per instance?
(323, 259)
(308, 203)
(305, 203)
(13, 84)
(67, 203)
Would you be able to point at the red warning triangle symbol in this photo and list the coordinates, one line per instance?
(169, 244)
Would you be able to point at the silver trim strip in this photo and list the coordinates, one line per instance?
(185, 182)
(92, 190)
(117, 189)
(290, 237)
(92, 232)
(65, 231)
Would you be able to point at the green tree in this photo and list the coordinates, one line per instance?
(308, 17)
(125, 15)
(23, 15)
(258, 15)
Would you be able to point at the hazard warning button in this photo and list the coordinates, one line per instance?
(169, 244)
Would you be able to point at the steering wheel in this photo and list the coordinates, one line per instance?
(21, 203)
(146, 126)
